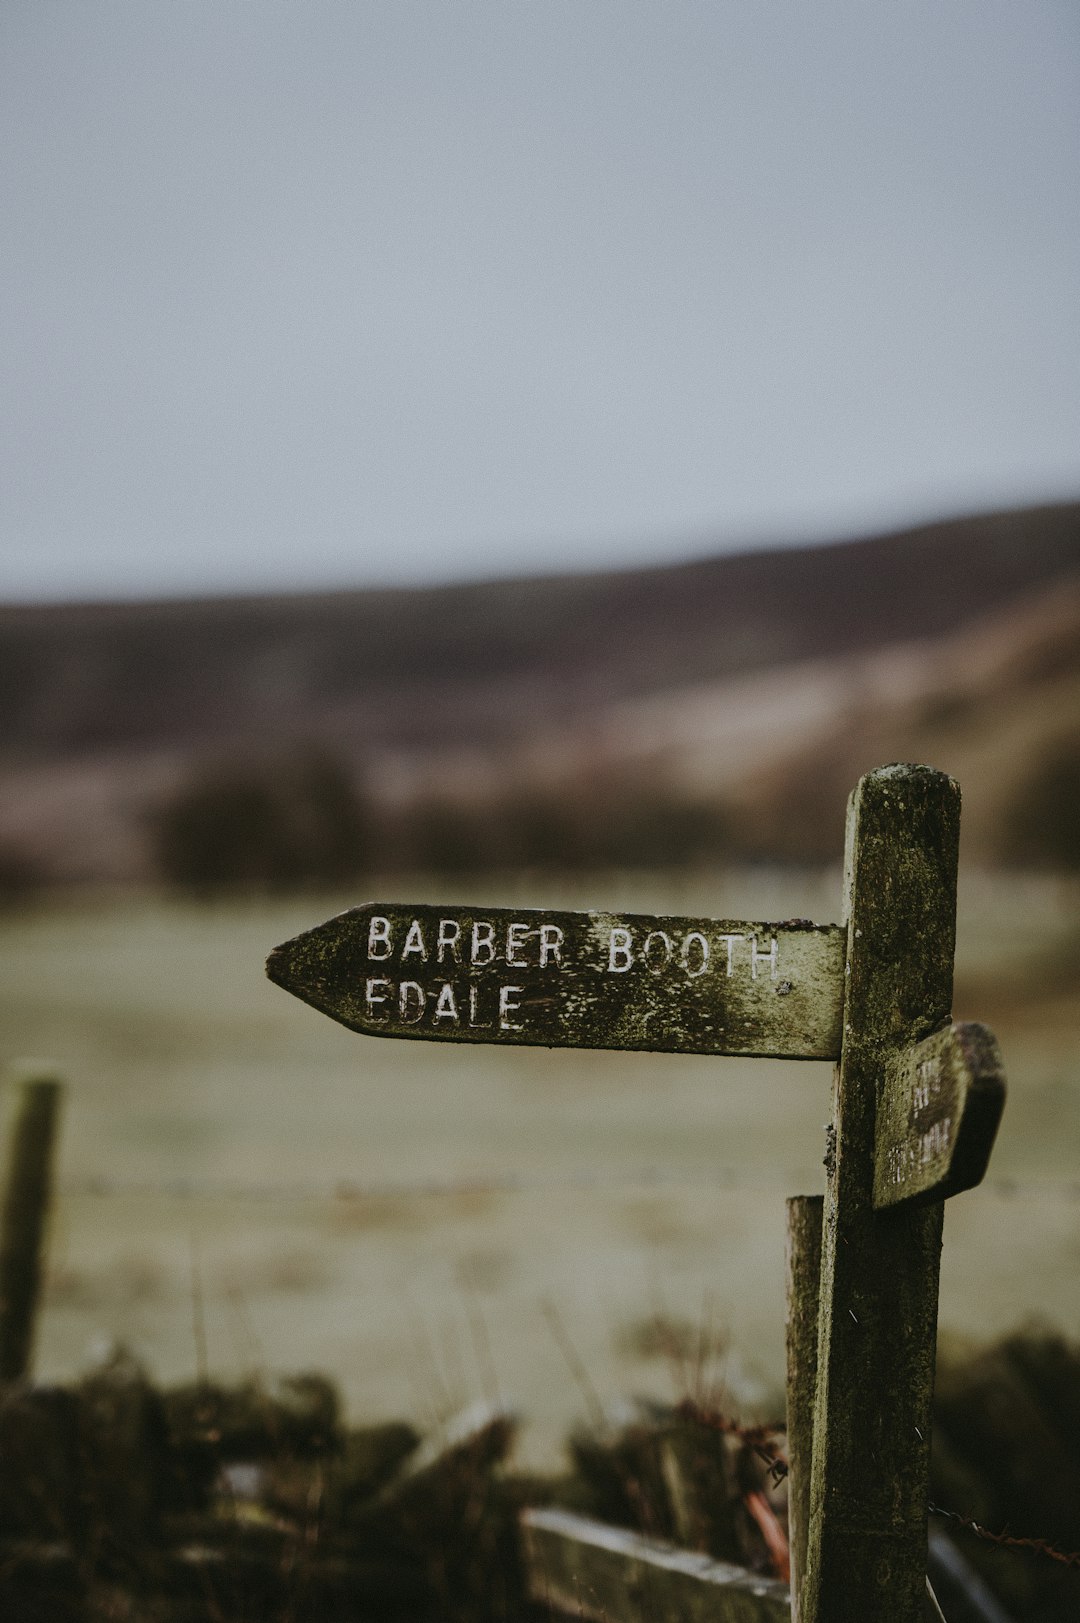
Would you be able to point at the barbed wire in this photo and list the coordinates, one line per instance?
(1037, 1546)
(723, 1179)
(760, 1439)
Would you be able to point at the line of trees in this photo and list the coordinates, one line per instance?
(1043, 824)
(304, 821)
(292, 823)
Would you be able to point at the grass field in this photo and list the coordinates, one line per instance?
(246, 1186)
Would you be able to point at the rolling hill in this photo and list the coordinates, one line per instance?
(761, 682)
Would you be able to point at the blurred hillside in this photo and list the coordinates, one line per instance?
(721, 708)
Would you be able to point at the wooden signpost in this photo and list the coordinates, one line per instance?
(574, 980)
(917, 1103)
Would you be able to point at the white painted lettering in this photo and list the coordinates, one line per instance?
(372, 997)
(411, 1002)
(474, 1015)
(414, 942)
(758, 957)
(731, 940)
(551, 940)
(446, 1006)
(378, 941)
(657, 957)
(516, 937)
(695, 946)
(508, 1006)
(928, 1085)
(449, 936)
(620, 956)
(483, 940)
(935, 1141)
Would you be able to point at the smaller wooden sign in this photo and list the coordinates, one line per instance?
(937, 1117)
(574, 980)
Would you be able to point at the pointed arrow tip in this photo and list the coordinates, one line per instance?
(291, 964)
(281, 962)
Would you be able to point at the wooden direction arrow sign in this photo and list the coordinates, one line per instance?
(574, 980)
(937, 1117)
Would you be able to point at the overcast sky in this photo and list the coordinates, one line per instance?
(332, 294)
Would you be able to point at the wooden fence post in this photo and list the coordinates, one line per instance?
(804, 1216)
(32, 1112)
(866, 1555)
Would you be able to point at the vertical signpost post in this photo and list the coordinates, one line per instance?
(916, 1106)
(866, 1550)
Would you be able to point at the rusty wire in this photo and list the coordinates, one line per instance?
(1009, 1541)
(757, 1438)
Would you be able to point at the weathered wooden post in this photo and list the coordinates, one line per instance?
(31, 1129)
(803, 1289)
(916, 1106)
(917, 1103)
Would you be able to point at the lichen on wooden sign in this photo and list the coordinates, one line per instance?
(574, 980)
(937, 1116)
